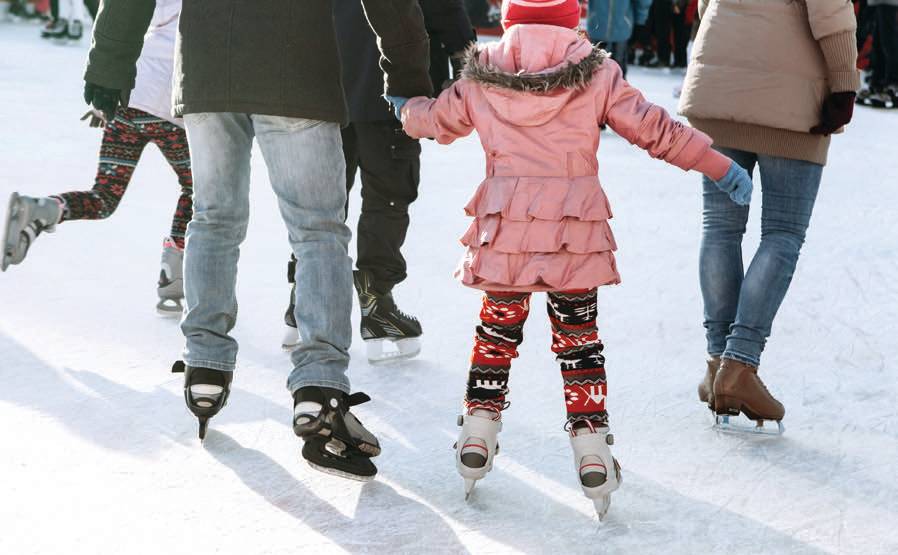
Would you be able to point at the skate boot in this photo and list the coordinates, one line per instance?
(592, 457)
(54, 29)
(26, 218)
(737, 388)
(384, 325)
(335, 442)
(75, 30)
(291, 332)
(171, 280)
(706, 387)
(477, 445)
(206, 391)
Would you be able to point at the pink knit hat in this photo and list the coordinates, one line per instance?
(564, 13)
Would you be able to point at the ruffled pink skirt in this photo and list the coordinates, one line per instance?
(538, 234)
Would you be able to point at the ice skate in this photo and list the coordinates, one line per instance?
(55, 29)
(389, 333)
(26, 219)
(171, 280)
(738, 389)
(206, 391)
(75, 31)
(477, 445)
(706, 387)
(291, 333)
(592, 457)
(335, 441)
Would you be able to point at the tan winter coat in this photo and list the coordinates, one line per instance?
(761, 70)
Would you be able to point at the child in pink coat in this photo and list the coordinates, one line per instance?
(537, 99)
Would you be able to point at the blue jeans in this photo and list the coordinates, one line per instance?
(307, 172)
(740, 306)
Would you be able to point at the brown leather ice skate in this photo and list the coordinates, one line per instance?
(706, 387)
(737, 388)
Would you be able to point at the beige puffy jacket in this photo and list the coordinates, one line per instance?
(761, 70)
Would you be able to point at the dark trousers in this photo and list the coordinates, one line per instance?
(885, 46)
(619, 51)
(681, 32)
(663, 16)
(389, 163)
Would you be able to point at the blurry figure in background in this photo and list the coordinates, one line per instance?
(612, 22)
(682, 28)
(883, 89)
(59, 27)
(23, 9)
(389, 162)
(483, 14)
(148, 119)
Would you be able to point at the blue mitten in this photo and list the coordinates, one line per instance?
(398, 102)
(737, 183)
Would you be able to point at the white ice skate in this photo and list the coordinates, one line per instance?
(477, 445)
(592, 457)
(171, 280)
(26, 219)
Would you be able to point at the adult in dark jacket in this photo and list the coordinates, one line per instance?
(267, 69)
(389, 161)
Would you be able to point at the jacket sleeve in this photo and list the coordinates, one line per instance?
(444, 118)
(404, 46)
(642, 8)
(117, 42)
(447, 23)
(652, 129)
(834, 24)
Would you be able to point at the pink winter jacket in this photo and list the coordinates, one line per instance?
(536, 99)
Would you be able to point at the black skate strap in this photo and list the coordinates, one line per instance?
(358, 398)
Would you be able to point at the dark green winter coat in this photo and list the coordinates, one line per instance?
(273, 57)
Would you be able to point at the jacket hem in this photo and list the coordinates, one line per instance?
(221, 106)
(765, 140)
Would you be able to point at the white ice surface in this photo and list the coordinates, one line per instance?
(99, 455)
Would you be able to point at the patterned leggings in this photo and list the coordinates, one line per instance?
(575, 342)
(123, 142)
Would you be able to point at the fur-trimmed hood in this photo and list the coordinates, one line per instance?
(533, 71)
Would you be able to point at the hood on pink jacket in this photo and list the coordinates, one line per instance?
(545, 59)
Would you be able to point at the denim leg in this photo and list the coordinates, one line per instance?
(220, 145)
(308, 173)
(789, 192)
(720, 259)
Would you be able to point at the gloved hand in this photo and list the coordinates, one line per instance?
(737, 183)
(105, 100)
(398, 102)
(837, 111)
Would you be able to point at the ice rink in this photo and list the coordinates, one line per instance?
(98, 453)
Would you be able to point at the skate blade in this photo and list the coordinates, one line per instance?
(290, 339)
(724, 424)
(469, 488)
(602, 505)
(340, 473)
(170, 308)
(403, 349)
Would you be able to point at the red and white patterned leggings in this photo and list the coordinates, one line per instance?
(575, 342)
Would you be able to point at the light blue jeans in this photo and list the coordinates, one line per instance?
(740, 306)
(307, 171)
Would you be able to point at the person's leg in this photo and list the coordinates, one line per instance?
(220, 145)
(92, 7)
(789, 192)
(578, 349)
(122, 145)
(496, 342)
(888, 16)
(720, 259)
(619, 53)
(307, 172)
(390, 168)
(681, 39)
(172, 142)
(663, 15)
(877, 56)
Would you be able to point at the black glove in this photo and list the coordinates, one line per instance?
(837, 111)
(105, 100)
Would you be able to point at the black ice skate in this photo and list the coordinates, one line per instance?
(55, 29)
(26, 219)
(384, 325)
(335, 442)
(206, 391)
(291, 333)
(171, 280)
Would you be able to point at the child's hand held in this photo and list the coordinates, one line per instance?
(737, 183)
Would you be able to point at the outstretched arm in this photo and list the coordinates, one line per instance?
(445, 118)
(404, 46)
(117, 42)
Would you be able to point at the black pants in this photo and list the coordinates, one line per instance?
(663, 16)
(619, 51)
(390, 165)
(885, 46)
(681, 32)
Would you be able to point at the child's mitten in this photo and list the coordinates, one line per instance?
(737, 183)
(398, 102)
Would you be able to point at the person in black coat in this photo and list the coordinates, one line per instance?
(375, 146)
